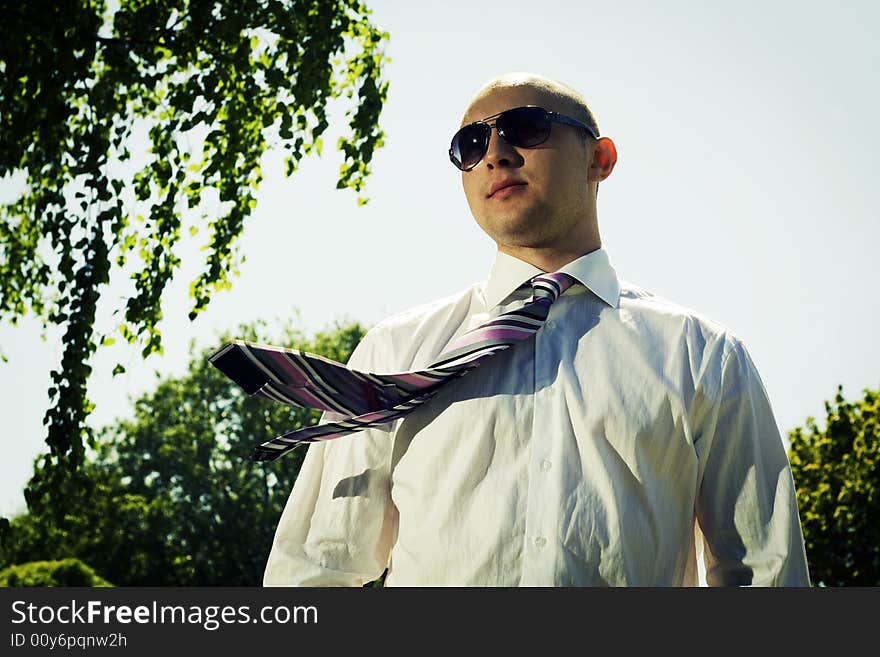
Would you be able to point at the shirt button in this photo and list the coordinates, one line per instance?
(546, 465)
(540, 542)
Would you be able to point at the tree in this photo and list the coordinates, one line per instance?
(129, 127)
(837, 474)
(173, 498)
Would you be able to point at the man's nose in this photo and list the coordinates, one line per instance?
(501, 154)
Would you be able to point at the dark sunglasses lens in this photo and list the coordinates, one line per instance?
(469, 145)
(524, 126)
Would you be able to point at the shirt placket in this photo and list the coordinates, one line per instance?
(540, 541)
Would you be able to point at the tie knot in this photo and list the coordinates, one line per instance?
(551, 286)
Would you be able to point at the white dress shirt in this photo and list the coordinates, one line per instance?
(603, 451)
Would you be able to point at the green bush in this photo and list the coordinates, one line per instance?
(837, 472)
(66, 572)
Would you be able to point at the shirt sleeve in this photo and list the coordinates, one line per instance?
(746, 506)
(339, 522)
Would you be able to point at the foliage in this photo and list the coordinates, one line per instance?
(837, 473)
(65, 572)
(173, 497)
(132, 126)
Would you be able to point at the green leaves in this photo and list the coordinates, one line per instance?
(212, 85)
(171, 497)
(837, 473)
(65, 572)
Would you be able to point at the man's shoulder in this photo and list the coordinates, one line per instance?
(661, 314)
(675, 336)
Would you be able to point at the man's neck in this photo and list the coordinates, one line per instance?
(549, 258)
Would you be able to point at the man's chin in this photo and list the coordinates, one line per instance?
(516, 230)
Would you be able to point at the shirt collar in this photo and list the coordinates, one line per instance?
(593, 271)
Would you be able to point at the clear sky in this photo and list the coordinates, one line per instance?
(746, 189)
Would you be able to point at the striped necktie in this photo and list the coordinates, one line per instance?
(368, 399)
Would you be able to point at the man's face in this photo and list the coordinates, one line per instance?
(548, 193)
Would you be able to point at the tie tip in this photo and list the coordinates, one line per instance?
(260, 455)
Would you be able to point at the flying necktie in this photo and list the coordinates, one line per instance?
(369, 399)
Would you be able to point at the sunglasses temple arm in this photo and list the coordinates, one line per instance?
(561, 118)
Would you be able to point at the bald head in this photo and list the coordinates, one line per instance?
(556, 96)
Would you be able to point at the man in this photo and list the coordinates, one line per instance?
(604, 450)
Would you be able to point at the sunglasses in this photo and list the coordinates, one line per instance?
(523, 127)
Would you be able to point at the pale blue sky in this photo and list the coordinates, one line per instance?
(746, 189)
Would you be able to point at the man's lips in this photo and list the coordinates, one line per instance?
(507, 183)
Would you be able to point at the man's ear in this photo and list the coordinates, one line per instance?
(604, 159)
